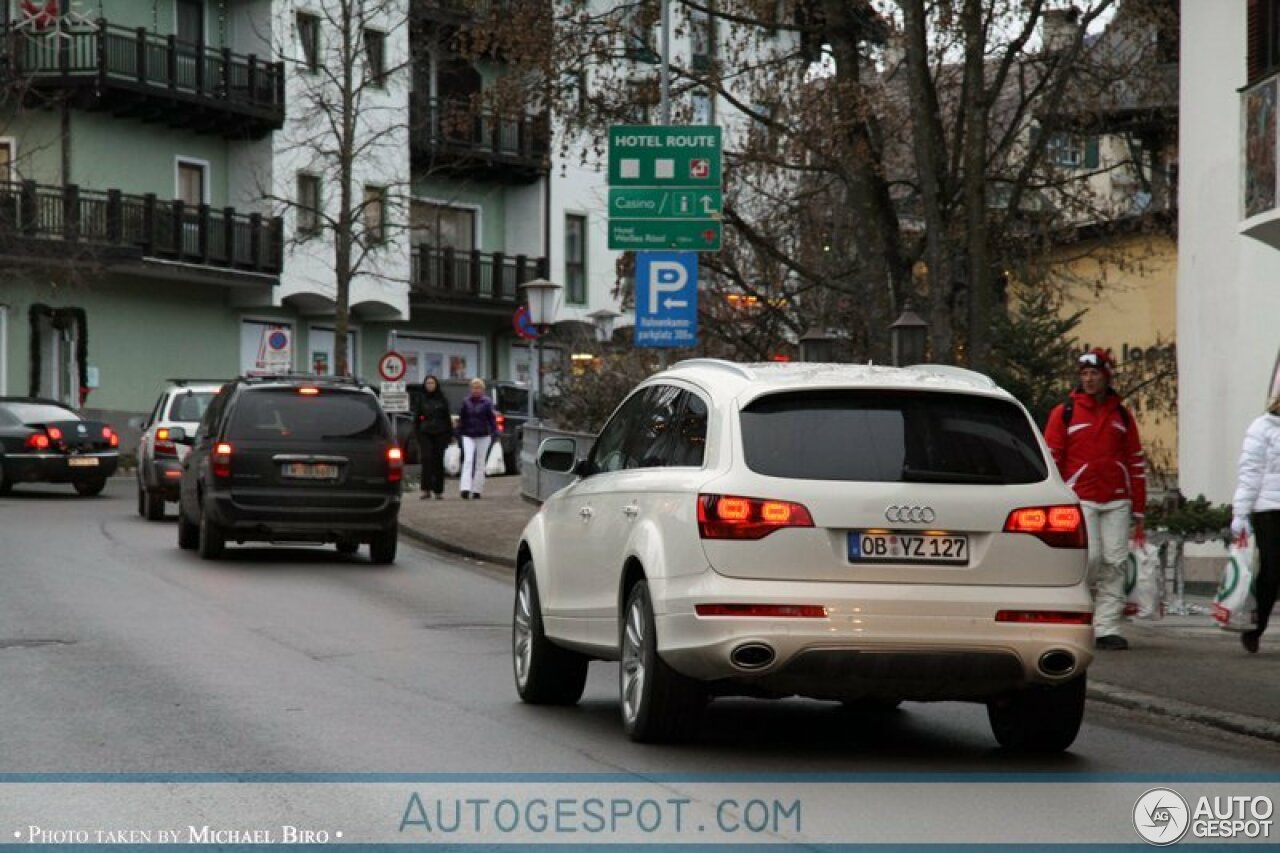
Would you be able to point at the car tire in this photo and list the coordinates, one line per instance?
(658, 704)
(188, 531)
(211, 540)
(154, 506)
(511, 464)
(347, 546)
(1040, 718)
(6, 485)
(89, 488)
(545, 673)
(382, 548)
(142, 499)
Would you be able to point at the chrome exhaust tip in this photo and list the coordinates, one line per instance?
(1057, 663)
(751, 656)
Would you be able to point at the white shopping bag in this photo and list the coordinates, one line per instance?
(1142, 582)
(1234, 607)
(495, 464)
(453, 460)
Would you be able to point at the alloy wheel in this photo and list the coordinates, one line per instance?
(633, 664)
(522, 636)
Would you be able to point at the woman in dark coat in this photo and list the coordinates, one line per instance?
(435, 431)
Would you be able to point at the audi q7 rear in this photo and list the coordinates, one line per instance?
(858, 534)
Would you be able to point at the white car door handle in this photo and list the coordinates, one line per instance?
(585, 512)
(631, 511)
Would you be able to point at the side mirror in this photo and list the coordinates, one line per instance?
(178, 435)
(558, 455)
(584, 468)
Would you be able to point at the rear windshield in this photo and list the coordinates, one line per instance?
(40, 413)
(284, 415)
(511, 401)
(190, 405)
(891, 437)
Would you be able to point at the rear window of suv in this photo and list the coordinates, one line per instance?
(284, 415)
(891, 437)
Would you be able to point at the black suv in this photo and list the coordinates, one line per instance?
(291, 459)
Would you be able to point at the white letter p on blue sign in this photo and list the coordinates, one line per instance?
(666, 277)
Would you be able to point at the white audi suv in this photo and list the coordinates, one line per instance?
(850, 533)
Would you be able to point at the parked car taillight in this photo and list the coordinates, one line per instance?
(55, 434)
(1056, 526)
(729, 517)
(395, 464)
(502, 423)
(221, 459)
(37, 441)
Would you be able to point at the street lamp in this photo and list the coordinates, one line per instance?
(603, 321)
(908, 335)
(542, 297)
(816, 345)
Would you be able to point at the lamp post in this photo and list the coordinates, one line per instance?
(542, 297)
(603, 321)
(908, 335)
(816, 345)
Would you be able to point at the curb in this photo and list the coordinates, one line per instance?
(450, 547)
(1165, 707)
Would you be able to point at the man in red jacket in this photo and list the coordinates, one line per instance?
(1095, 444)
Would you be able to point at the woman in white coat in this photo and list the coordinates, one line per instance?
(1255, 511)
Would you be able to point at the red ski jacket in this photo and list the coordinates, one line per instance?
(1099, 453)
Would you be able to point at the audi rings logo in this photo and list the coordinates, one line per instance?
(1161, 816)
(916, 514)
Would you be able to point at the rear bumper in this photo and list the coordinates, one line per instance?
(274, 516)
(905, 641)
(163, 477)
(57, 467)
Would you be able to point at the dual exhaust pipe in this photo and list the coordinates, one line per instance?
(753, 656)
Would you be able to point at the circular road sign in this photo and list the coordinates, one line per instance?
(392, 366)
(523, 324)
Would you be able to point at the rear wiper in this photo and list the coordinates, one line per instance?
(921, 475)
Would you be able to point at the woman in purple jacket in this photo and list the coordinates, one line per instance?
(477, 425)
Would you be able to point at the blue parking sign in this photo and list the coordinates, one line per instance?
(666, 299)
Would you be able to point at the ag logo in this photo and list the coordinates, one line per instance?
(1161, 816)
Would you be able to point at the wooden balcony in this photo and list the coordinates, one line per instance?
(151, 77)
(474, 278)
(72, 223)
(455, 137)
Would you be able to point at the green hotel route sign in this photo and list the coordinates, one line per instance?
(664, 187)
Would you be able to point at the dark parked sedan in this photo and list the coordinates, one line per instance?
(42, 441)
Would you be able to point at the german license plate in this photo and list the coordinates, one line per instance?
(948, 549)
(311, 470)
(82, 461)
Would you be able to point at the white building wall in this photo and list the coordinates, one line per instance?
(1228, 284)
(382, 289)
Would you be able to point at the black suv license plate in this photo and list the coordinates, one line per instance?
(310, 470)
(948, 549)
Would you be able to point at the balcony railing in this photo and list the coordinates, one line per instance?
(476, 277)
(453, 132)
(150, 74)
(66, 218)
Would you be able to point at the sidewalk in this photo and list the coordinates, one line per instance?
(1181, 667)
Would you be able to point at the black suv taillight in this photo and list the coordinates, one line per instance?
(221, 460)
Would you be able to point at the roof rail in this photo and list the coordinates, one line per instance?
(954, 372)
(719, 363)
(301, 377)
(184, 382)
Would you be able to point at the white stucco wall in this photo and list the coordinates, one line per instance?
(1228, 284)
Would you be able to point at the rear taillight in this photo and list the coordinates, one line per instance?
(221, 459)
(763, 611)
(502, 423)
(37, 441)
(109, 434)
(730, 517)
(1056, 526)
(1045, 617)
(395, 464)
(55, 434)
(164, 445)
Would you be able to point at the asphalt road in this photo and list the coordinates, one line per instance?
(119, 653)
